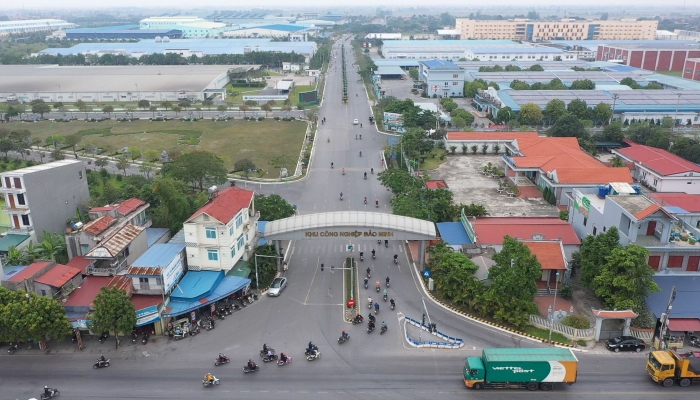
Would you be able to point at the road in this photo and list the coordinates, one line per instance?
(369, 366)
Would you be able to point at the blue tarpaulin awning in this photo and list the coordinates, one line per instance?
(453, 233)
(226, 287)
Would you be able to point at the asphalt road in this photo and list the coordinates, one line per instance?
(369, 366)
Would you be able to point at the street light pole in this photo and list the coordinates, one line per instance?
(615, 97)
(554, 307)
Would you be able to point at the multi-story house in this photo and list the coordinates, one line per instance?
(639, 220)
(116, 252)
(442, 78)
(105, 221)
(222, 232)
(43, 197)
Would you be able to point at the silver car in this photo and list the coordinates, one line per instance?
(277, 286)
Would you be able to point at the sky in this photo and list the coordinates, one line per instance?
(324, 4)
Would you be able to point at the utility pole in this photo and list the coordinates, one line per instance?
(664, 318)
(615, 97)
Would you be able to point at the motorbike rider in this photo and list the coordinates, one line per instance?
(331, 164)
(377, 284)
(383, 325)
(385, 293)
(356, 136)
(396, 257)
(369, 300)
(372, 170)
(343, 171)
(376, 306)
(101, 359)
(265, 347)
(251, 364)
(344, 335)
(341, 195)
(366, 281)
(222, 357)
(47, 391)
(209, 377)
(386, 242)
(368, 271)
(283, 357)
(360, 154)
(392, 303)
(312, 346)
(362, 254)
(387, 281)
(371, 318)
(365, 200)
(373, 253)
(370, 325)
(365, 178)
(376, 202)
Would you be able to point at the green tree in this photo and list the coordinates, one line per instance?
(613, 132)
(147, 168)
(41, 108)
(626, 278)
(530, 114)
(6, 146)
(583, 84)
(554, 110)
(504, 115)
(167, 105)
(273, 207)
(110, 194)
(398, 180)
(568, 126)
(122, 164)
(536, 67)
(55, 141)
(513, 286)
(602, 113)
(108, 110)
(519, 85)
(53, 247)
(135, 152)
(199, 168)
(151, 155)
(245, 165)
(266, 108)
(593, 253)
(177, 110)
(631, 83)
(459, 122)
(173, 206)
(208, 103)
(144, 104)
(114, 312)
(85, 109)
(101, 162)
(72, 141)
(153, 110)
(28, 316)
(579, 108)
(267, 266)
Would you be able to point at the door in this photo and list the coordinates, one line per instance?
(693, 262)
(651, 228)
(15, 221)
(654, 262)
(12, 201)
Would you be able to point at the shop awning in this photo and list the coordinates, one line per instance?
(684, 324)
(227, 286)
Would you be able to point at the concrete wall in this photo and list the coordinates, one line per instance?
(692, 70)
(137, 247)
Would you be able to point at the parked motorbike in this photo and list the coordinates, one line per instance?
(194, 329)
(101, 364)
(220, 361)
(13, 348)
(314, 356)
(246, 369)
(358, 320)
(134, 336)
(179, 334)
(103, 337)
(382, 330)
(267, 358)
(206, 383)
(342, 339)
(281, 363)
(145, 337)
(221, 312)
(210, 325)
(695, 341)
(53, 392)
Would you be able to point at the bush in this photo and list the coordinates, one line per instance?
(31, 163)
(261, 118)
(564, 215)
(576, 321)
(567, 292)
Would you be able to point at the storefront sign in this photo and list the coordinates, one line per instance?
(353, 234)
(582, 204)
(264, 98)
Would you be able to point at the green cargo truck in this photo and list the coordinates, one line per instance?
(521, 368)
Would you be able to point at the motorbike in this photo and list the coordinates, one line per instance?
(52, 393)
(74, 337)
(267, 358)
(386, 243)
(281, 363)
(381, 332)
(228, 309)
(210, 325)
(179, 334)
(393, 305)
(13, 348)
(314, 356)
(396, 260)
(373, 256)
(695, 341)
(145, 338)
(387, 284)
(342, 339)
(365, 177)
(362, 258)
(103, 337)
(101, 364)
(384, 297)
(263, 353)
(307, 351)
(206, 383)
(366, 285)
(220, 361)
(376, 311)
(377, 287)
(370, 329)
(379, 242)
(369, 305)
(194, 330)
(358, 320)
(134, 337)
(221, 312)
(247, 369)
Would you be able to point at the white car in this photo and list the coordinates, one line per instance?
(277, 286)
(355, 121)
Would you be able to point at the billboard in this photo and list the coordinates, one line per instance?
(265, 98)
(309, 97)
(393, 122)
(582, 204)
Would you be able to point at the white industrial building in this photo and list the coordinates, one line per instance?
(34, 25)
(156, 83)
(295, 33)
(191, 27)
(483, 50)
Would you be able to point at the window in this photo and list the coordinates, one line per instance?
(43, 292)
(594, 230)
(233, 251)
(455, 83)
(239, 220)
(25, 220)
(20, 199)
(230, 229)
(159, 281)
(585, 221)
(455, 76)
(211, 232)
(240, 242)
(143, 280)
(213, 255)
(84, 248)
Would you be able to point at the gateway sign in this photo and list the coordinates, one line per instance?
(350, 234)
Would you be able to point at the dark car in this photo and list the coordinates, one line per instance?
(625, 343)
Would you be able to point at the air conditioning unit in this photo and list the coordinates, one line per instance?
(246, 226)
(247, 247)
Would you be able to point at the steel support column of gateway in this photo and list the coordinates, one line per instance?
(351, 226)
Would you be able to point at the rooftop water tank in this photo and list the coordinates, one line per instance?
(603, 191)
(637, 189)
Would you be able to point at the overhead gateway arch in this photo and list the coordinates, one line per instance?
(352, 226)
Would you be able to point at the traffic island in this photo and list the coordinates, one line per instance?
(446, 342)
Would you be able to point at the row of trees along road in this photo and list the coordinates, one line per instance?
(508, 295)
(26, 316)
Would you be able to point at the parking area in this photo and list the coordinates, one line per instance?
(463, 175)
(399, 88)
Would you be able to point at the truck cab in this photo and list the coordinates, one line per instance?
(474, 372)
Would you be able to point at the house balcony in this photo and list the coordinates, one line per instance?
(650, 241)
(107, 267)
(12, 190)
(20, 210)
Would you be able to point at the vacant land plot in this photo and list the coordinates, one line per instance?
(259, 141)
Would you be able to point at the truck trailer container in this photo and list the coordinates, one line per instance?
(521, 368)
(668, 367)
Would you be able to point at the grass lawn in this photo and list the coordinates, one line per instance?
(238, 98)
(294, 94)
(271, 73)
(544, 334)
(671, 73)
(433, 162)
(4, 219)
(231, 140)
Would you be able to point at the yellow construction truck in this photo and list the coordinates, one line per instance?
(668, 367)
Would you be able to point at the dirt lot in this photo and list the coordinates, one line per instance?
(463, 176)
